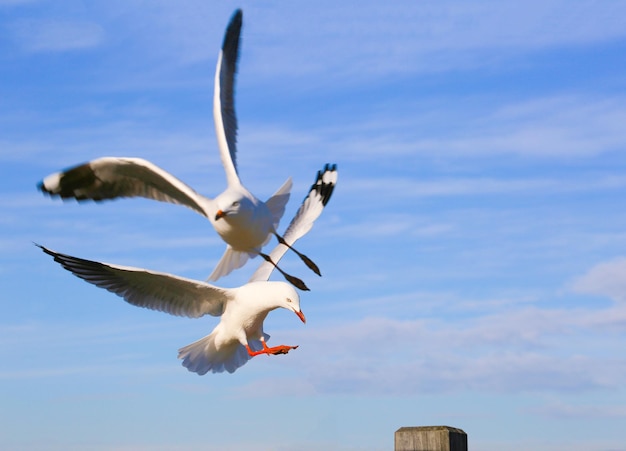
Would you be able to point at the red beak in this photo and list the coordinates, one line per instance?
(301, 316)
(219, 215)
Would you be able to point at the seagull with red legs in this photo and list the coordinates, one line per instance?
(239, 335)
(243, 221)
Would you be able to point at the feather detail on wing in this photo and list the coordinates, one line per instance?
(309, 211)
(111, 177)
(153, 290)
(224, 113)
(277, 203)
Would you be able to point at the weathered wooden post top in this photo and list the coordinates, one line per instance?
(430, 438)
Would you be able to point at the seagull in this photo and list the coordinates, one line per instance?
(243, 221)
(239, 335)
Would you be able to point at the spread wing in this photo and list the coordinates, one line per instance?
(224, 99)
(111, 177)
(302, 222)
(153, 290)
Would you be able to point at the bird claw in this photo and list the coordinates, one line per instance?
(283, 349)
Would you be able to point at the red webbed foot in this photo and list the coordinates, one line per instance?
(275, 350)
(282, 349)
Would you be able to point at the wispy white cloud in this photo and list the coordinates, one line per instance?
(427, 36)
(553, 127)
(560, 409)
(391, 224)
(604, 279)
(349, 44)
(403, 188)
(49, 35)
(516, 349)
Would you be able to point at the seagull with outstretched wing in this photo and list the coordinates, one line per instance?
(239, 335)
(243, 221)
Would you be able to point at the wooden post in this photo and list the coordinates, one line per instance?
(430, 438)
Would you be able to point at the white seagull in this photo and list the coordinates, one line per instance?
(244, 222)
(239, 335)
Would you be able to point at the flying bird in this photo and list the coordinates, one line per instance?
(239, 335)
(243, 221)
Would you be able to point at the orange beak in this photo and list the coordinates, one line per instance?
(301, 316)
(219, 215)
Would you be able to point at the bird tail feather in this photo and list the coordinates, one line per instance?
(203, 356)
(230, 261)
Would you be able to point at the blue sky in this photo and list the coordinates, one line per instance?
(473, 254)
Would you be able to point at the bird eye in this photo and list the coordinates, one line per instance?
(236, 203)
(288, 300)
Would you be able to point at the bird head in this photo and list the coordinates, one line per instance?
(290, 300)
(232, 205)
(296, 308)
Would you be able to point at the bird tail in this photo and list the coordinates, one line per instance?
(203, 356)
(230, 261)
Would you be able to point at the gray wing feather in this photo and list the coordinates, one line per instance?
(153, 290)
(111, 177)
(224, 101)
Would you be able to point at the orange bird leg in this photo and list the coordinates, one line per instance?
(281, 349)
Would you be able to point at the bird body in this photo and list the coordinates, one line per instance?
(236, 337)
(233, 212)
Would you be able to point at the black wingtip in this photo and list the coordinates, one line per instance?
(46, 250)
(51, 194)
(42, 188)
(325, 188)
(233, 31)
